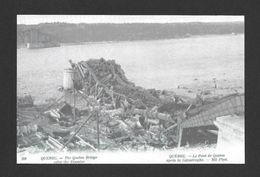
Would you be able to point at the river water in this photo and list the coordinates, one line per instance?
(160, 64)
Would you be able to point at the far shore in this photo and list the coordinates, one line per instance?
(140, 40)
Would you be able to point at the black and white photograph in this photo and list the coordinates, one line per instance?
(136, 89)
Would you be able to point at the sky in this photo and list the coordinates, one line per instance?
(36, 19)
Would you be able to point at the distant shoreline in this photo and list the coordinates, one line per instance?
(81, 33)
(144, 40)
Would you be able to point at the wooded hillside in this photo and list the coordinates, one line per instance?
(73, 33)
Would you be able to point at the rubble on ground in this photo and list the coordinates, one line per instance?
(25, 101)
(114, 114)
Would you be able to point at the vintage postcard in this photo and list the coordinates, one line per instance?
(138, 89)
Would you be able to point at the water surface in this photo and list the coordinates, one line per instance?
(160, 64)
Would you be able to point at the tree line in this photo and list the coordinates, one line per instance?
(75, 33)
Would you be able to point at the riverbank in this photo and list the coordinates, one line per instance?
(214, 87)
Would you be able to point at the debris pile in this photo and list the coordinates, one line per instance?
(116, 114)
(111, 78)
(25, 101)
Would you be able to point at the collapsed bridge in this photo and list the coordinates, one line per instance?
(126, 115)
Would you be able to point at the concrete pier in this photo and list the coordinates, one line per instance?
(231, 133)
